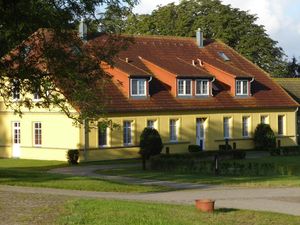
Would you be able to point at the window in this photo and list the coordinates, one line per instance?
(245, 126)
(223, 56)
(264, 119)
(36, 96)
(173, 130)
(37, 133)
(280, 125)
(102, 135)
(16, 132)
(241, 87)
(138, 87)
(151, 124)
(226, 127)
(184, 87)
(202, 87)
(16, 90)
(127, 138)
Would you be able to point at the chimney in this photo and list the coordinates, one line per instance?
(83, 30)
(199, 37)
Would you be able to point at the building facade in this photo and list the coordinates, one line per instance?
(192, 91)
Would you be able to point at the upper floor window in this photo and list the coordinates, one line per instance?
(202, 87)
(36, 96)
(242, 87)
(16, 90)
(184, 87)
(138, 87)
(223, 56)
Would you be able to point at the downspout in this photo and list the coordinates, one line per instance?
(211, 88)
(86, 139)
(149, 85)
(297, 128)
(251, 81)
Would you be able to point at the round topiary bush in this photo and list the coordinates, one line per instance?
(150, 144)
(264, 137)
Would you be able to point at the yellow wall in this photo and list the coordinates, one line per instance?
(59, 134)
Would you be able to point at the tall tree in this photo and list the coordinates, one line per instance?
(53, 62)
(234, 27)
(293, 68)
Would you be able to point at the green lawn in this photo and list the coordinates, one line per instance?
(33, 173)
(248, 181)
(94, 212)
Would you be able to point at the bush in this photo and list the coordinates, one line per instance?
(286, 150)
(194, 148)
(150, 143)
(223, 147)
(264, 137)
(73, 156)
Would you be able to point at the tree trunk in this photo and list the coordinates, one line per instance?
(144, 162)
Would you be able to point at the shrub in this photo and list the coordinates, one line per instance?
(194, 148)
(264, 137)
(73, 156)
(223, 147)
(150, 143)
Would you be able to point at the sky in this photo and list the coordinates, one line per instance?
(281, 18)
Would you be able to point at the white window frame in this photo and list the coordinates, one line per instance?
(173, 128)
(154, 121)
(241, 82)
(127, 133)
(184, 87)
(266, 119)
(283, 125)
(138, 87)
(201, 87)
(246, 126)
(106, 136)
(228, 126)
(39, 134)
(16, 91)
(36, 97)
(16, 134)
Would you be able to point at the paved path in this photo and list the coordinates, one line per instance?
(90, 171)
(281, 200)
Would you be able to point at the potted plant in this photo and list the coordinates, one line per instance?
(205, 205)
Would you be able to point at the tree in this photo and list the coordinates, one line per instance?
(54, 62)
(293, 68)
(264, 137)
(234, 27)
(150, 144)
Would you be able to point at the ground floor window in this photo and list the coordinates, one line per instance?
(37, 133)
(245, 126)
(127, 136)
(102, 135)
(173, 130)
(280, 125)
(226, 127)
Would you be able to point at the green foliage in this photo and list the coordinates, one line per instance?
(233, 26)
(194, 148)
(264, 137)
(73, 156)
(150, 143)
(285, 151)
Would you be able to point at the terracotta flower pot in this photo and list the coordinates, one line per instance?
(205, 205)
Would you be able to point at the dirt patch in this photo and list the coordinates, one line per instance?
(34, 209)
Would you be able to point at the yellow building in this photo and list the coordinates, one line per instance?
(191, 91)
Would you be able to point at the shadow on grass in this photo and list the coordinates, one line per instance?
(226, 210)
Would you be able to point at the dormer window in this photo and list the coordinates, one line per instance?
(16, 90)
(202, 87)
(242, 87)
(138, 87)
(184, 87)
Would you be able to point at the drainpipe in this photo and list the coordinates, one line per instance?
(211, 89)
(250, 86)
(149, 85)
(297, 128)
(86, 138)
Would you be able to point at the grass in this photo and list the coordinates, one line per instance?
(112, 212)
(32, 173)
(245, 181)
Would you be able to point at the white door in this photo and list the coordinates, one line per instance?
(16, 139)
(200, 132)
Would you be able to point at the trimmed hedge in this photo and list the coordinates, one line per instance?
(226, 167)
(285, 151)
(194, 148)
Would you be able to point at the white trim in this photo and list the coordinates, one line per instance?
(242, 88)
(33, 135)
(176, 125)
(201, 81)
(246, 126)
(184, 87)
(131, 132)
(283, 124)
(229, 127)
(138, 89)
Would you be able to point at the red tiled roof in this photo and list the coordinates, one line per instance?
(173, 55)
